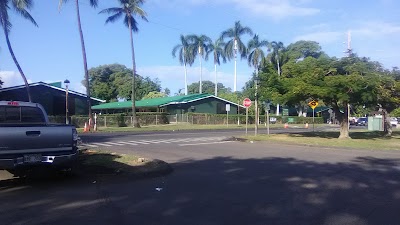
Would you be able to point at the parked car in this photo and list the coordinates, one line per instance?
(393, 121)
(29, 140)
(362, 121)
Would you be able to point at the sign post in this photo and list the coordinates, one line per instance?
(247, 104)
(313, 104)
(228, 108)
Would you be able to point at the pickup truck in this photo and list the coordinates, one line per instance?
(27, 139)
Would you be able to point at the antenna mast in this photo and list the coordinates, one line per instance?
(349, 50)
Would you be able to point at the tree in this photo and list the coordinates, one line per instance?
(167, 91)
(1, 83)
(235, 44)
(154, 94)
(185, 56)
(129, 9)
(256, 54)
(21, 7)
(92, 3)
(303, 49)
(113, 82)
(278, 58)
(200, 45)
(217, 49)
(208, 87)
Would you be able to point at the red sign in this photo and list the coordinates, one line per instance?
(13, 103)
(247, 102)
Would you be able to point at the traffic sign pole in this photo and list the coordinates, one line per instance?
(247, 118)
(313, 116)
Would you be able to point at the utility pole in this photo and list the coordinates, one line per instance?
(348, 52)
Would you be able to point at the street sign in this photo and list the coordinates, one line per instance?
(247, 102)
(313, 104)
(228, 107)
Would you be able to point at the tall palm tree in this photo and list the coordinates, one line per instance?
(129, 9)
(256, 54)
(185, 56)
(92, 3)
(21, 7)
(276, 59)
(235, 44)
(200, 44)
(217, 49)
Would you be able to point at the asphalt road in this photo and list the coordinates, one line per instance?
(220, 183)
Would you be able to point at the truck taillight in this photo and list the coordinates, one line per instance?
(13, 103)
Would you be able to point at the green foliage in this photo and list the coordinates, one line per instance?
(234, 34)
(395, 113)
(154, 94)
(114, 81)
(1, 83)
(208, 87)
(304, 49)
(167, 92)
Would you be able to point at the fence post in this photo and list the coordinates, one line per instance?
(156, 120)
(176, 118)
(105, 121)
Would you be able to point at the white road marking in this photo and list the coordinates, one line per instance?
(113, 143)
(101, 144)
(206, 143)
(139, 142)
(127, 143)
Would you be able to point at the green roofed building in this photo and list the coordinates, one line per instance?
(196, 103)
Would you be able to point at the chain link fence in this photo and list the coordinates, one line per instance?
(195, 119)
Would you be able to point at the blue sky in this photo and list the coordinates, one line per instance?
(51, 52)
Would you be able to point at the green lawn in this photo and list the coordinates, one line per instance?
(359, 139)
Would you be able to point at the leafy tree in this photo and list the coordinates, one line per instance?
(217, 49)
(395, 113)
(200, 45)
(303, 49)
(185, 55)
(129, 9)
(1, 83)
(167, 91)
(113, 82)
(154, 94)
(208, 87)
(22, 8)
(235, 44)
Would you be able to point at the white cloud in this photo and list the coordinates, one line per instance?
(11, 78)
(376, 29)
(262, 8)
(322, 37)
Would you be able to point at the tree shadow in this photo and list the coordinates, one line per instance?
(224, 190)
(354, 135)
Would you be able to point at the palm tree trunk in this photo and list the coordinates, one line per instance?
(134, 118)
(85, 67)
(256, 104)
(279, 73)
(216, 87)
(201, 77)
(17, 64)
(235, 76)
(186, 86)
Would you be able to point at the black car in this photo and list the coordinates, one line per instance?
(362, 121)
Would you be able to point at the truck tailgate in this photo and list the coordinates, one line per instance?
(27, 139)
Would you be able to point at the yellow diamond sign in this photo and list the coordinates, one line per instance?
(313, 104)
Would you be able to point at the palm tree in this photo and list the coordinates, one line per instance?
(276, 59)
(256, 54)
(217, 49)
(93, 3)
(235, 44)
(129, 9)
(185, 56)
(200, 44)
(21, 7)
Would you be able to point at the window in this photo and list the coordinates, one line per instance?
(23, 114)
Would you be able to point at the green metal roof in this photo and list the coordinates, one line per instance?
(154, 102)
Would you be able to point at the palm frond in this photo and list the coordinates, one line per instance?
(24, 13)
(133, 22)
(113, 18)
(94, 3)
(112, 10)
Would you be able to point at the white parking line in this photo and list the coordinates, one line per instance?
(206, 143)
(139, 142)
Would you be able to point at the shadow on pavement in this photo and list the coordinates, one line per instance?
(221, 190)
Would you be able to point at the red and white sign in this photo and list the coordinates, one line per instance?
(246, 102)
